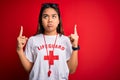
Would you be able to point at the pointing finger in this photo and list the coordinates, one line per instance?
(75, 30)
(21, 31)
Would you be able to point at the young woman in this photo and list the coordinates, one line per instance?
(49, 55)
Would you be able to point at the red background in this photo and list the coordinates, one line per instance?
(98, 25)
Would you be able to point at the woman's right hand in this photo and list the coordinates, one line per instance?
(21, 40)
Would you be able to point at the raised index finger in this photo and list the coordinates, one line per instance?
(75, 30)
(21, 31)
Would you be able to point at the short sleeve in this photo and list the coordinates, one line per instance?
(29, 49)
(68, 49)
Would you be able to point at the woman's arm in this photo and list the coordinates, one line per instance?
(73, 61)
(25, 63)
(21, 41)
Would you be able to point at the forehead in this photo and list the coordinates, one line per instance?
(49, 11)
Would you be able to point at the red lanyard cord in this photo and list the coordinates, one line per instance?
(47, 48)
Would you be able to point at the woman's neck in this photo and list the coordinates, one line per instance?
(50, 33)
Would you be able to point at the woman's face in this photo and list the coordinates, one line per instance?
(50, 20)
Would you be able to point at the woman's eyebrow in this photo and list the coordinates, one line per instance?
(54, 14)
(48, 14)
(45, 14)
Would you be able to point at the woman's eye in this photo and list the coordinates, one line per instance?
(45, 16)
(54, 16)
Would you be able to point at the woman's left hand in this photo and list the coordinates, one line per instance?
(74, 37)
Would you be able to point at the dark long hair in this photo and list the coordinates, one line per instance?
(56, 8)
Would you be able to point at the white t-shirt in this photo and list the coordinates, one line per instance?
(35, 52)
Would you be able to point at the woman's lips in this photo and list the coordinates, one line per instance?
(50, 25)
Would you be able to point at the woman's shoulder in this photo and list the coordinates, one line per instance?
(35, 37)
(64, 37)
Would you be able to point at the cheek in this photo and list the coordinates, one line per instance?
(44, 22)
(57, 22)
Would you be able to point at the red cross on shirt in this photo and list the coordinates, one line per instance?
(51, 58)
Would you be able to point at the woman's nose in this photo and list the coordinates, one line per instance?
(50, 19)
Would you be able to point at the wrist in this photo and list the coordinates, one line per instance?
(74, 48)
(19, 50)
